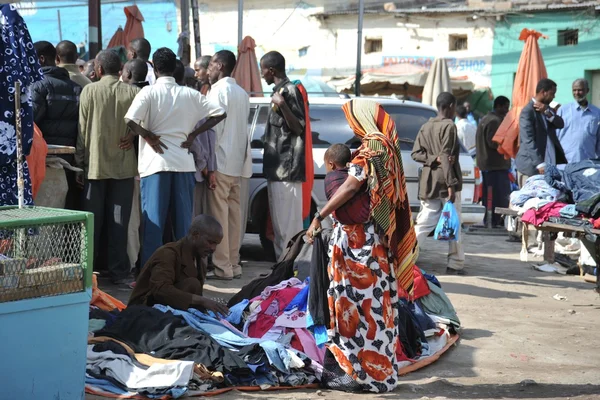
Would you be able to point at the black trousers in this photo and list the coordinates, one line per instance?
(500, 184)
(110, 202)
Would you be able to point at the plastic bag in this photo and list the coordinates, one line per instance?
(448, 227)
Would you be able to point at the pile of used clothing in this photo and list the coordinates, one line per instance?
(569, 196)
(159, 352)
(275, 336)
(291, 311)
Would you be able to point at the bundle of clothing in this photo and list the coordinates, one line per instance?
(569, 195)
(159, 352)
(297, 312)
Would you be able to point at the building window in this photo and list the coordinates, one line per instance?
(458, 42)
(303, 51)
(568, 37)
(373, 45)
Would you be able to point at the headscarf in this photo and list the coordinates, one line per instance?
(390, 207)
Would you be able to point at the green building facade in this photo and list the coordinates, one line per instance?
(571, 51)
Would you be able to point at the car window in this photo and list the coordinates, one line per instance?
(259, 129)
(329, 125)
(408, 122)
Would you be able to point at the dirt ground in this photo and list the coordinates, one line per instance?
(517, 341)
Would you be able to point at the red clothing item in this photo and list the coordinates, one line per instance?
(420, 285)
(271, 308)
(538, 217)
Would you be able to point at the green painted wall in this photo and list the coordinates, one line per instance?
(563, 63)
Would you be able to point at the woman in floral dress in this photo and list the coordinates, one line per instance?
(370, 263)
(18, 62)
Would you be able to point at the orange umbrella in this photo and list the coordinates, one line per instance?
(246, 72)
(133, 28)
(530, 71)
(117, 39)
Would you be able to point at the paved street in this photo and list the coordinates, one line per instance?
(517, 341)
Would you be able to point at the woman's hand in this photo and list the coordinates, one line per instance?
(313, 229)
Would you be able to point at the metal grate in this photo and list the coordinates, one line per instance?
(43, 252)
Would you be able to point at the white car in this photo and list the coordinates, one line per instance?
(329, 126)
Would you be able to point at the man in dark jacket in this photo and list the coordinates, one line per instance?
(494, 167)
(283, 161)
(539, 144)
(56, 109)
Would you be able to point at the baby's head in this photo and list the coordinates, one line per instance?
(337, 156)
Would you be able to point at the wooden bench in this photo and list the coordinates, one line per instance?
(590, 238)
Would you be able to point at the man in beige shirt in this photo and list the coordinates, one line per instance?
(66, 57)
(108, 160)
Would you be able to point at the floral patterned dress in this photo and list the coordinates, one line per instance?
(18, 62)
(363, 299)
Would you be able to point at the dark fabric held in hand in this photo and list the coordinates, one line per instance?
(408, 332)
(282, 271)
(318, 306)
(354, 211)
(164, 335)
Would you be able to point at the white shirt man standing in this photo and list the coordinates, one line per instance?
(233, 152)
(164, 114)
(467, 132)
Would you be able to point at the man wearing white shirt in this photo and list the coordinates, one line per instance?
(233, 153)
(539, 145)
(140, 48)
(164, 115)
(466, 131)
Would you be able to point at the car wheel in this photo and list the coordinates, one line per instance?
(265, 238)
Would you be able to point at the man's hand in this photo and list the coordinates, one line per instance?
(155, 142)
(451, 159)
(210, 305)
(211, 180)
(451, 195)
(540, 107)
(278, 99)
(126, 143)
(188, 143)
(79, 179)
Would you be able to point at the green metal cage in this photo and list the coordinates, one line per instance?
(44, 252)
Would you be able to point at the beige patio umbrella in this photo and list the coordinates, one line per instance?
(438, 81)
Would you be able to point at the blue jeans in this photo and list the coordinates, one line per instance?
(162, 192)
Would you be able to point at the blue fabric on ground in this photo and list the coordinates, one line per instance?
(301, 300)
(425, 323)
(236, 312)
(432, 279)
(276, 352)
(318, 331)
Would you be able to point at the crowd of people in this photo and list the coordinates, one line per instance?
(164, 155)
(159, 143)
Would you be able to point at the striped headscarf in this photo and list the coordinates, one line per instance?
(390, 207)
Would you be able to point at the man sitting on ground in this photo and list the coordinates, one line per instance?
(175, 274)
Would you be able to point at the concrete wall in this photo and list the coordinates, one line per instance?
(563, 63)
(161, 26)
(418, 40)
(331, 43)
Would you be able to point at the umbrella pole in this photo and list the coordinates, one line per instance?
(361, 11)
(20, 179)
(240, 21)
